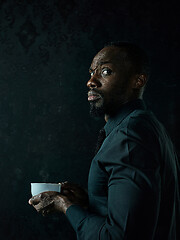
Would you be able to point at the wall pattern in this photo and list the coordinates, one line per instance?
(46, 133)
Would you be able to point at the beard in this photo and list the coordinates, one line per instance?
(100, 107)
(97, 110)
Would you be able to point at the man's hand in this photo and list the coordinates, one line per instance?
(71, 194)
(75, 194)
(48, 202)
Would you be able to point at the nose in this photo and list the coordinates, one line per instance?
(93, 83)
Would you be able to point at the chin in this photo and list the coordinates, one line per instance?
(97, 110)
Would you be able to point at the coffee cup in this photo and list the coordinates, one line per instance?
(37, 188)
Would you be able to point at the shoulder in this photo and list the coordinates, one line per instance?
(141, 125)
(134, 142)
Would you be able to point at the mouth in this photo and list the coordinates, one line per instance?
(92, 96)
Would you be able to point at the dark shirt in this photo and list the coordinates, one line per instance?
(133, 182)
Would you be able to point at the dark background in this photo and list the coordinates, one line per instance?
(46, 134)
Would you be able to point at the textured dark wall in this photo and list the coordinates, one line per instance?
(46, 134)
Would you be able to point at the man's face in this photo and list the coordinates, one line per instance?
(110, 85)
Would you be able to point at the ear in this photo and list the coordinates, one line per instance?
(139, 81)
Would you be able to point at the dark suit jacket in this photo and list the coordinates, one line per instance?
(133, 182)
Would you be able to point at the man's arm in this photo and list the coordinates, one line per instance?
(132, 163)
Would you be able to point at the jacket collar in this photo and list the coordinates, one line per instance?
(123, 112)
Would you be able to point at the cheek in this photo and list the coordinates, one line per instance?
(115, 93)
(113, 89)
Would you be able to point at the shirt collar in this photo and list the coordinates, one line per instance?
(124, 111)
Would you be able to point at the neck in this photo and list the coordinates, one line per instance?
(108, 115)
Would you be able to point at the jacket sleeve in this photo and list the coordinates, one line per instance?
(132, 163)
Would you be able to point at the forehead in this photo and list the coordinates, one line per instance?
(108, 54)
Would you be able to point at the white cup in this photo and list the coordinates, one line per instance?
(37, 188)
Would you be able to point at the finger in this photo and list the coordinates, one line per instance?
(35, 199)
(45, 212)
(73, 189)
(43, 205)
(44, 195)
(38, 207)
(67, 194)
(66, 187)
(30, 203)
(69, 186)
(65, 191)
(63, 182)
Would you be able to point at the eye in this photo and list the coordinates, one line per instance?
(106, 72)
(92, 73)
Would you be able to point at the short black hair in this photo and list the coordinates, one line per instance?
(134, 55)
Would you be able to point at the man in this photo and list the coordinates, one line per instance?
(133, 188)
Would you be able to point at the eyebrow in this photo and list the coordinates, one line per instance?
(100, 63)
